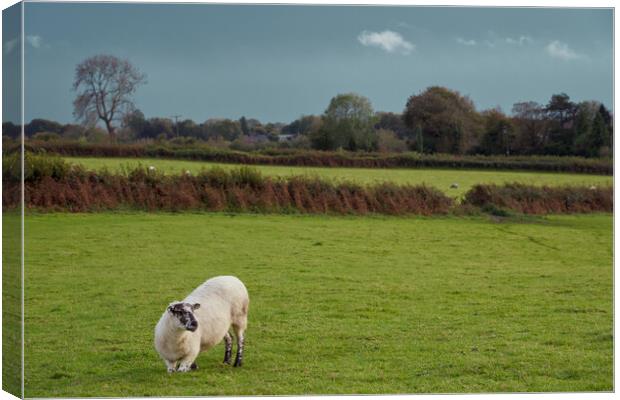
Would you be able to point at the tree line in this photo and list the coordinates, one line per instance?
(436, 120)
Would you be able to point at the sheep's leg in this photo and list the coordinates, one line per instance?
(240, 340)
(187, 363)
(172, 365)
(228, 346)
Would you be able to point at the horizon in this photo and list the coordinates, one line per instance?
(276, 63)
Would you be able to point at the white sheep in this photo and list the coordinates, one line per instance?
(201, 321)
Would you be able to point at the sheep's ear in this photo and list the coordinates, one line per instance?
(195, 306)
(170, 308)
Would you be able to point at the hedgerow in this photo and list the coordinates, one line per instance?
(237, 190)
(328, 159)
(51, 184)
(528, 199)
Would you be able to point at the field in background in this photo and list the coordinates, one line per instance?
(338, 304)
(440, 178)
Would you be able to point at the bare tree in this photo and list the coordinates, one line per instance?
(104, 85)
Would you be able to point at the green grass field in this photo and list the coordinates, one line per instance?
(11, 303)
(440, 178)
(338, 304)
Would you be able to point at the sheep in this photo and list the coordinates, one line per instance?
(201, 321)
(454, 186)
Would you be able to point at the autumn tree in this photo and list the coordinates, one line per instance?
(104, 86)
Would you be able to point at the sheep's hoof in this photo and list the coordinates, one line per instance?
(238, 363)
(171, 370)
(227, 362)
(193, 366)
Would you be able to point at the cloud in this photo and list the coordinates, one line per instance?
(9, 45)
(392, 42)
(522, 40)
(34, 40)
(561, 50)
(465, 42)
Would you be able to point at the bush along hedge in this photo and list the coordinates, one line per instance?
(328, 159)
(528, 199)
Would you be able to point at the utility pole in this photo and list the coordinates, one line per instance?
(176, 123)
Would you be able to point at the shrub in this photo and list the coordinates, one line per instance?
(36, 167)
(46, 136)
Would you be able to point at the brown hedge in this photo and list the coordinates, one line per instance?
(242, 190)
(52, 184)
(541, 199)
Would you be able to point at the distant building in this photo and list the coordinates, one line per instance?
(286, 137)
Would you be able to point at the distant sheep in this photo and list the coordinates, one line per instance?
(201, 321)
(454, 186)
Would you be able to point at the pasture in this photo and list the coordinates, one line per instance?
(338, 304)
(442, 179)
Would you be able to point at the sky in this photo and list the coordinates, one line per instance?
(276, 63)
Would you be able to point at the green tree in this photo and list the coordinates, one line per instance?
(135, 122)
(584, 120)
(598, 136)
(304, 125)
(393, 122)
(11, 130)
(224, 128)
(245, 129)
(608, 121)
(499, 133)
(530, 123)
(449, 121)
(348, 123)
(42, 125)
(561, 116)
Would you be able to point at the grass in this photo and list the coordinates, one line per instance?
(440, 178)
(11, 302)
(338, 304)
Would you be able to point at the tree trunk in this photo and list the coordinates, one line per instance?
(110, 128)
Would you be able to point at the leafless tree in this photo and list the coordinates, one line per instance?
(104, 85)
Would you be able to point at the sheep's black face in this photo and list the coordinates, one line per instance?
(184, 313)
